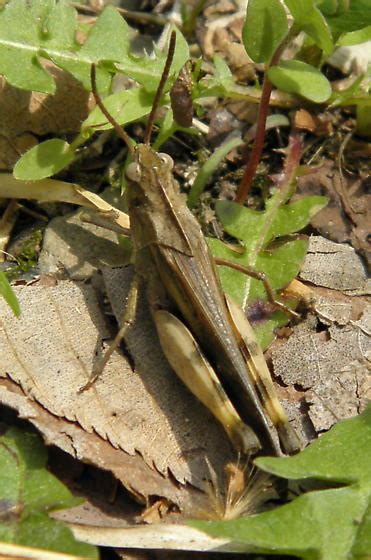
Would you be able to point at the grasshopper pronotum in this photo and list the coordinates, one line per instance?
(204, 335)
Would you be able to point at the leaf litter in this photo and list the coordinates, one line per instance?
(147, 413)
(336, 266)
(114, 425)
(346, 218)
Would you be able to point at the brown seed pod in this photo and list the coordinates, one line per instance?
(181, 97)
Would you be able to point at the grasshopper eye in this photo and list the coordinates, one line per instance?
(133, 172)
(166, 159)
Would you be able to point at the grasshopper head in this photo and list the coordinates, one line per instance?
(149, 175)
(151, 194)
(145, 160)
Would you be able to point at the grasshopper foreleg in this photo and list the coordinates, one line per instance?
(126, 322)
(263, 279)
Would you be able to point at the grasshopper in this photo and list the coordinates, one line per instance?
(204, 335)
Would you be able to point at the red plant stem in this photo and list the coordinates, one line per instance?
(284, 183)
(255, 155)
(257, 148)
(292, 161)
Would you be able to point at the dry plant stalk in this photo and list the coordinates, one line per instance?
(243, 491)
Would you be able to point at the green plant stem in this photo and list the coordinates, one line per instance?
(208, 169)
(190, 20)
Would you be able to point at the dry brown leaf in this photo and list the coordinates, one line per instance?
(140, 479)
(318, 125)
(12, 147)
(144, 416)
(40, 113)
(328, 355)
(346, 217)
(162, 537)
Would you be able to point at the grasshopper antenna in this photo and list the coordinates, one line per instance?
(160, 89)
(119, 130)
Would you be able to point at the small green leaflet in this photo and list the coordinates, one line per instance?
(295, 76)
(28, 492)
(264, 29)
(266, 245)
(308, 18)
(8, 294)
(44, 160)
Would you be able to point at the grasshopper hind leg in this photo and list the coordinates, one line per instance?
(260, 375)
(189, 363)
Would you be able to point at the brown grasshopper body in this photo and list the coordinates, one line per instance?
(205, 338)
(173, 258)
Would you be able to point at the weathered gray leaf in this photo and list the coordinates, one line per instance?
(334, 265)
(331, 366)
